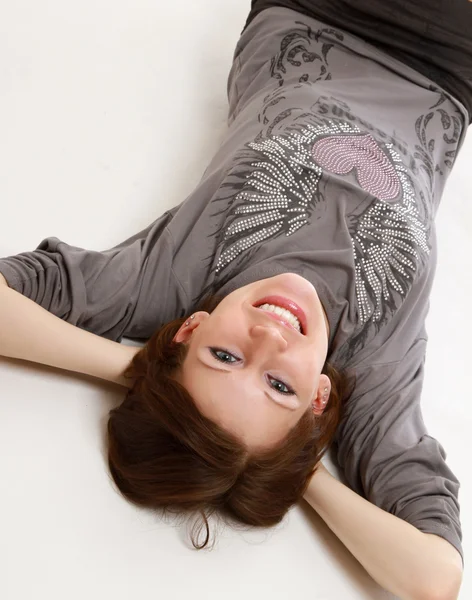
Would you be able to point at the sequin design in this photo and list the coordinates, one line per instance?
(342, 154)
(389, 243)
(387, 236)
(279, 192)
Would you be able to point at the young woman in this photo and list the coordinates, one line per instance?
(283, 303)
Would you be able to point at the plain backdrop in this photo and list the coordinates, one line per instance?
(110, 113)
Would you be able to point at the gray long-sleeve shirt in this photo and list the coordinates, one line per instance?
(332, 167)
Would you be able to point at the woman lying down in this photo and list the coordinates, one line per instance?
(282, 305)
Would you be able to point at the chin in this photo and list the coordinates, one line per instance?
(293, 283)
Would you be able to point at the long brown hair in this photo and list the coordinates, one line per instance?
(163, 453)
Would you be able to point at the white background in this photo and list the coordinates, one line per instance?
(110, 112)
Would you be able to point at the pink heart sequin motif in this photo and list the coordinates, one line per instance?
(341, 154)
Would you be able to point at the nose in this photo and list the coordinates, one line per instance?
(271, 335)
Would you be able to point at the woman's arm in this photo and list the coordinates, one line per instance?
(410, 564)
(29, 332)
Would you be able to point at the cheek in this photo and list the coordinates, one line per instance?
(308, 373)
(229, 321)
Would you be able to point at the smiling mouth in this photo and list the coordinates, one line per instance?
(285, 311)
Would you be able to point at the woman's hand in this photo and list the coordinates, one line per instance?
(124, 356)
(410, 564)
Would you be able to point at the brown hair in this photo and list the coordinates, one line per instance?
(163, 453)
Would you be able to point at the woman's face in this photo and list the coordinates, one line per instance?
(250, 369)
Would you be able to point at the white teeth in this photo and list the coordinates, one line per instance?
(283, 312)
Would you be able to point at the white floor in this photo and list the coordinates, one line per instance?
(109, 113)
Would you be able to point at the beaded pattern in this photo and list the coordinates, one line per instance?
(386, 242)
(342, 153)
(280, 192)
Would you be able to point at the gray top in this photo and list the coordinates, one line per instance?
(332, 167)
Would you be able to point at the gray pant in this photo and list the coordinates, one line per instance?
(431, 36)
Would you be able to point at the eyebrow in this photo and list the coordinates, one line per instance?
(223, 370)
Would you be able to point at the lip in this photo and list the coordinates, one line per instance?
(287, 304)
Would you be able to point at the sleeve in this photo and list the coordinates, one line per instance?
(386, 453)
(94, 290)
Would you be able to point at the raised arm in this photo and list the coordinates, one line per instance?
(29, 332)
(401, 515)
(68, 307)
(405, 561)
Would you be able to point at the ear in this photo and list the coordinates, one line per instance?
(320, 401)
(185, 331)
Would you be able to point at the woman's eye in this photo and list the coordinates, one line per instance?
(281, 387)
(224, 356)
